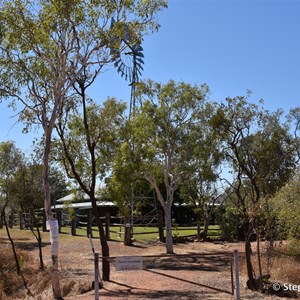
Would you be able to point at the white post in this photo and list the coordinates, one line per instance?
(236, 274)
(96, 282)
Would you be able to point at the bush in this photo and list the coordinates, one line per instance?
(293, 247)
(231, 223)
(10, 281)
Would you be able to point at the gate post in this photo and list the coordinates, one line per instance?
(96, 281)
(236, 275)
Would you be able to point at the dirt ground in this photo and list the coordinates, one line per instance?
(196, 276)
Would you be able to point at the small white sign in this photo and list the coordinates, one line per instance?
(52, 225)
(127, 263)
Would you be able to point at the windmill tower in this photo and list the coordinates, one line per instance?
(129, 63)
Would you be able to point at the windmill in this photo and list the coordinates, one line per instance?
(128, 60)
(129, 63)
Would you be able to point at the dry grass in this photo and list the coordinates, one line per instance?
(10, 281)
(76, 278)
(286, 270)
(282, 268)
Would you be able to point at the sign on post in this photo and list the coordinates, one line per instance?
(127, 263)
(52, 225)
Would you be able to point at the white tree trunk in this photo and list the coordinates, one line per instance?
(167, 209)
(168, 222)
(52, 224)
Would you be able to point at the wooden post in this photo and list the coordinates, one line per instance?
(96, 282)
(121, 226)
(73, 226)
(11, 220)
(160, 221)
(107, 225)
(58, 218)
(236, 274)
(21, 220)
(89, 231)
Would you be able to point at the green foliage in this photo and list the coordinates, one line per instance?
(293, 247)
(88, 140)
(10, 160)
(259, 149)
(231, 223)
(46, 46)
(285, 207)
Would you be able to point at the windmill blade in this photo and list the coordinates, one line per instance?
(140, 61)
(139, 54)
(130, 74)
(112, 22)
(139, 67)
(123, 68)
(118, 62)
(137, 48)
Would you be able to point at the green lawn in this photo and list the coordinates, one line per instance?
(139, 233)
(145, 233)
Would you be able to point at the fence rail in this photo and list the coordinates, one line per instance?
(233, 261)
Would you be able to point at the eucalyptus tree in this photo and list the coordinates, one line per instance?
(27, 192)
(44, 48)
(286, 210)
(88, 137)
(10, 159)
(293, 119)
(260, 152)
(161, 139)
(201, 187)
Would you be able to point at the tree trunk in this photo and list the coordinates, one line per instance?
(52, 223)
(251, 280)
(103, 242)
(205, 229)
(107, 226)
(127, 231)
(40, 248)
(168, 222)
(260, 287)
(38, 237)
(12, 243)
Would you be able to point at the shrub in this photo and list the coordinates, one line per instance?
(293, 248)
(231, 224)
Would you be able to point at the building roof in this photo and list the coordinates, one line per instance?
(79, 200)
(83, 205)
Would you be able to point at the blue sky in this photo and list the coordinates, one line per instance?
(232, 45)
